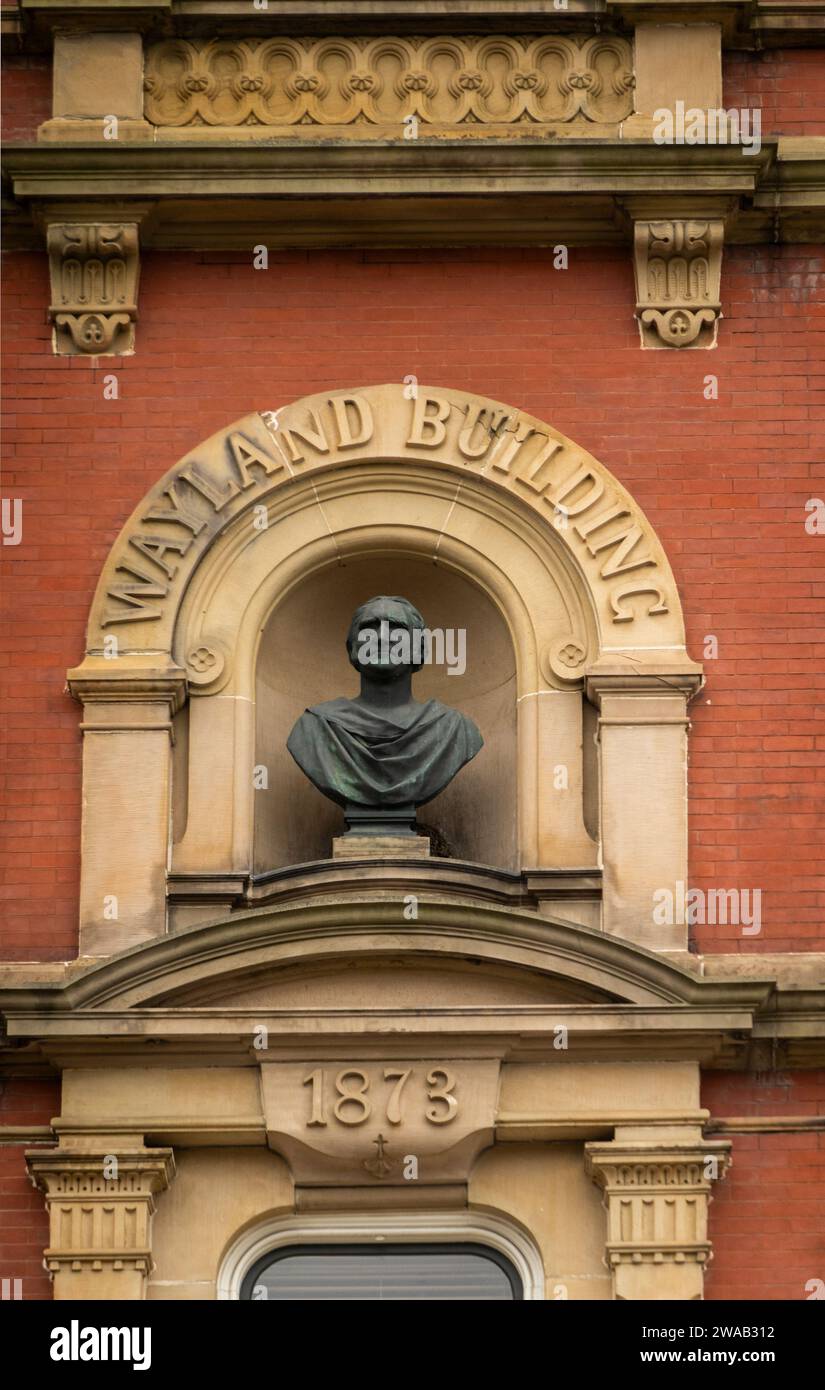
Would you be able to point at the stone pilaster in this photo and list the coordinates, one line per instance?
(100, 1214)
(642, 737)
(127, 780)
(656, 1197)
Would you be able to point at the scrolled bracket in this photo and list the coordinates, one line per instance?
(94, 269)
(678, 266)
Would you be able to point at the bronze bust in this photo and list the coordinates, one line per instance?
(383, 753)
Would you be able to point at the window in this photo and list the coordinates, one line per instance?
(457, 1272)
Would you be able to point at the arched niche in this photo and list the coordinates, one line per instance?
(302, 661)
(269, 531)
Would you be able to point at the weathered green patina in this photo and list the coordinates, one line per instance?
(384, 753)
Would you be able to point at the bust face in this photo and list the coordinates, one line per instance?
(388, 623)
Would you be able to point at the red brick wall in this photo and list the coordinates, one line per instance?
(787, 84)
(24, 1223)
(26, 97)
(725, 482)
(767, 1219)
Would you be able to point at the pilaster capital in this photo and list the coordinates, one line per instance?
(105, 687)
(608, 683)
(100, 1208)
(656, 1197)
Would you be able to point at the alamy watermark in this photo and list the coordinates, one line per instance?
(714, 126)
(418, 646)
(738, 907)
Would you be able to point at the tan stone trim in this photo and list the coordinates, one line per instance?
(678, 266)
(460, 81)
(486, 1228)
(667, 1012)
(269, 936)
(100, 1227)
(26, 1134)
(656, 1198)
(767, 1124)
(521, 1128)
(202, 505)
(514, 189)
(94, 268)
(643, 720)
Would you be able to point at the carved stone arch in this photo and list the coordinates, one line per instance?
(475, 1227)
(607, 538)
(558, 548)
(226, 962)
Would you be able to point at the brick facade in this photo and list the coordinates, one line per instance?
(724, 482)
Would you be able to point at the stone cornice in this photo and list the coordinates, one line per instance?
(744, 23)
(657, 1009)
(627, 972)
(523, 191)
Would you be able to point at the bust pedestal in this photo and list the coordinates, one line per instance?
(365, 846)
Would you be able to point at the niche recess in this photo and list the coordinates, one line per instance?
(302, 660)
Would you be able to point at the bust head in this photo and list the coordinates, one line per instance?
(387, 617)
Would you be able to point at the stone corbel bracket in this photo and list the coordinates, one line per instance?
(678, 267)
(94, 268)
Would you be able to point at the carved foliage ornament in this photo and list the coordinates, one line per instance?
(441, 81)
(94, 273)
(678, 271)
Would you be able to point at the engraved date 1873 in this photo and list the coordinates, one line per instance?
(355, 1094)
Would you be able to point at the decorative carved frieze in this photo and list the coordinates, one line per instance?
(94, 269)
(100, 1210)
(678, 265)
(441, 81)
(656, 1197)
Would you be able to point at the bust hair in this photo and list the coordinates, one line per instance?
(373, 611)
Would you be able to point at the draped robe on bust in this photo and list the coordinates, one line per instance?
(354, 754)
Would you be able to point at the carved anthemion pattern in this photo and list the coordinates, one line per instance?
(336, 81)
(94, 274)
(678, 272)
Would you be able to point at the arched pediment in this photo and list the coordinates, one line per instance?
(237, 962)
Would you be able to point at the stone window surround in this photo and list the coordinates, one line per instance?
(353, 1228)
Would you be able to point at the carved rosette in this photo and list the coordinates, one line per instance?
(656, 1197)
(565, 659)
(336, 81)
(207, 667)
(94, 269)
(678, 267)
(101, 1225)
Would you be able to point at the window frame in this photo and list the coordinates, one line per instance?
(379, 1251)
(274, 1230)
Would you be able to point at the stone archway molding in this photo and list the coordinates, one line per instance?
(536, 523)
(600, 529)
(364, 1228)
